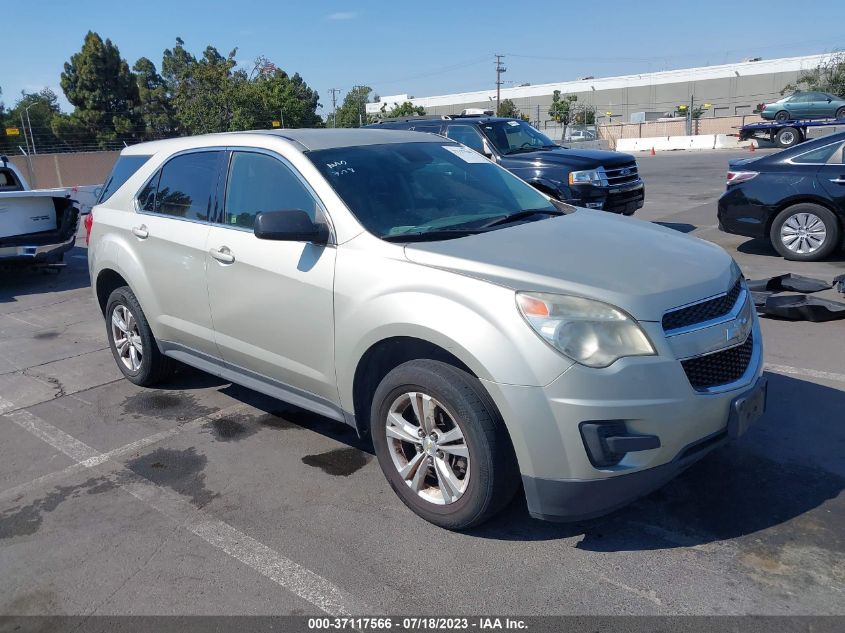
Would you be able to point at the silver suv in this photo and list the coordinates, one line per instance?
(487, 337)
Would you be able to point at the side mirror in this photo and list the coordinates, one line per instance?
(485, 149)
(291, 225)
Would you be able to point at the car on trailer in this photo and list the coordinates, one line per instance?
(785, 133)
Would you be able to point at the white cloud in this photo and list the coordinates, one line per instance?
(342, 15)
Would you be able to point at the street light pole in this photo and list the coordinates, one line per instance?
(31, 137)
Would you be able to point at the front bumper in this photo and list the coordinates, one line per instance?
(624, 199)
(649, 395)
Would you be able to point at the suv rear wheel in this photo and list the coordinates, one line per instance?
(442, 445)
(131, 340)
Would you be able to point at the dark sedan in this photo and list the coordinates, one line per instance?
(794, 198)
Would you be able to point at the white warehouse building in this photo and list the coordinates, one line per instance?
(731, 89)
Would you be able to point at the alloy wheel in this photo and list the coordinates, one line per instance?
(803, 233)
(126, 338)
(428, 448)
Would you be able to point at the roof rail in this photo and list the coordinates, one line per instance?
(418, 117)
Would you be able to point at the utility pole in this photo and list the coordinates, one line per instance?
(334, 92)
(499, 70)
(689, 115)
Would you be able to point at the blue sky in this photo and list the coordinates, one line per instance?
(435, 48)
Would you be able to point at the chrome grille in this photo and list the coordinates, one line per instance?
(622, 174)
(703, 311)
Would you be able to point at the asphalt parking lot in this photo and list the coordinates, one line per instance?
(206, 498)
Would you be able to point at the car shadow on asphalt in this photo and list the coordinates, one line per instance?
(770, 479)
(762, 247)
(681, 227)
(19, 280)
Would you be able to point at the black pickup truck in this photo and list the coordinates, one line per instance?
(587, 178)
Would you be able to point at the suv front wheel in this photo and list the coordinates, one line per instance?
(442, 445)
(131, 340)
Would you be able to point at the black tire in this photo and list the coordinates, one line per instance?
(154, 365)
(783, 115)
(831, 241)
(840, 113)
(788, 137)
(493, 473)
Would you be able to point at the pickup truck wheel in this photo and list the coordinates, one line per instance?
(783, 115)
(131, 340)
(840, 113)
(805, 232)
(788, 136)
(442, 445)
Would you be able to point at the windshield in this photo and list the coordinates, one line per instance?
(512, 137)
(410, 188)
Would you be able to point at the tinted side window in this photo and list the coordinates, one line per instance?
(818, 156)
(123, 170)
(466, 135)
(258, 182)
(433, 129)
(185, 187)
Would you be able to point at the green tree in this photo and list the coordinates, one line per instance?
(155, 107)
(583, 114)
(209, 94)
(353, 111)
(828, 76)
(507, 108)
(404, 109)
(98, 82)
(561, 109)
(40, 111)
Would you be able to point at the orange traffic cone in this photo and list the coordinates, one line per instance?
(652, 151)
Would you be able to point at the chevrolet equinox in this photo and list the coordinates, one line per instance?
(488, 337)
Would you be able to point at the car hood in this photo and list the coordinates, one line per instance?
(640, 267)
(569, 158)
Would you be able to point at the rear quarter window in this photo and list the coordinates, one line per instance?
(123, 170)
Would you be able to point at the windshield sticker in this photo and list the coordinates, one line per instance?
(466, 154)
(513, 123)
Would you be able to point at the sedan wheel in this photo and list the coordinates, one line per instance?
(783, 115)
(806, 231)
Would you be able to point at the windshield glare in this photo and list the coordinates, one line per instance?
(400, 188)
(511, 137)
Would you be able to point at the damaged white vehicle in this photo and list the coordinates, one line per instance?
(36, 226)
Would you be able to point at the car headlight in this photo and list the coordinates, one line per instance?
(587, 177)
(589, 332)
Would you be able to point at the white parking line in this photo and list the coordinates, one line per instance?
(808, 373)
(95, 460)
(261, 558)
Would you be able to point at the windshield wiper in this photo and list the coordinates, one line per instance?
(424, 236)
(533, 148)
(520, 215)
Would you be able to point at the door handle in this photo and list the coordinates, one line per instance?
(838, 181)
(141, 231)
(222, 254)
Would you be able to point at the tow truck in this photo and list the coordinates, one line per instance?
(784, 133)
